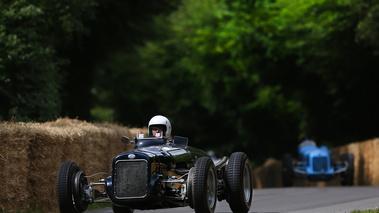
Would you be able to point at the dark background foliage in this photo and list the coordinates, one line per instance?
(255, 76)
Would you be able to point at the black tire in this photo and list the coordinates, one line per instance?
(119, 209)
(204, 186)
(347, 177)
(239, 183)
(70, 182)
(189, 187)
(287, 170)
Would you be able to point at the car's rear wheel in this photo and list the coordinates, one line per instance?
(204, 186)
(70, 183)
(287, 170)
(119, 209)
(347, 177)
(239, 183)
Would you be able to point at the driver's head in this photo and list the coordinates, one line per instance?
(159, 124)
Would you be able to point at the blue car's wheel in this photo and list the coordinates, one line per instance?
(287, 170)
(70, 184)
(347, 177)
(204, 186)
(239, 183)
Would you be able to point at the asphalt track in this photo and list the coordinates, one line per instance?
(297, 200)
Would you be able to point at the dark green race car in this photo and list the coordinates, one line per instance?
(161, 174)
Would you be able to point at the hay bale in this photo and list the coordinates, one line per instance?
(31, 154)
(14, 171)
(365, 160)
(268, 175)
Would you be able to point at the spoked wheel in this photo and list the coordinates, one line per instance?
(347, 177)
(204, 186)
(239, 179)
(70, 193)
(287, 170)
(119, 209)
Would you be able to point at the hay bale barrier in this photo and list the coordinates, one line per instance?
(366, 161)
(31, 154)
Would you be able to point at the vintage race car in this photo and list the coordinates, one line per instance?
(160, 173)
(316, 164)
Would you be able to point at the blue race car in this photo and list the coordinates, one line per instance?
(315, 163)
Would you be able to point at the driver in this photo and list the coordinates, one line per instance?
(159, 126)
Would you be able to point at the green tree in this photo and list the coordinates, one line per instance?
(268, 72)
(97, 76)
(337, 58)
(225, 52)
(31, 33)
(232, 75)
(51, 49)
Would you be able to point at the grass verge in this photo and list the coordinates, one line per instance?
(374, 210)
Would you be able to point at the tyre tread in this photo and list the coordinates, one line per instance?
(200, 201)
(64, 192)
(235, 191)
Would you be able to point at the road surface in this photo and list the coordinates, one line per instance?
(297, 200)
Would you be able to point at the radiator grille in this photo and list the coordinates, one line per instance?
(320, 164)
(131, 178)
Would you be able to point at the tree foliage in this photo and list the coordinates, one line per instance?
(252, 75)
(31, 32)
(267, 72)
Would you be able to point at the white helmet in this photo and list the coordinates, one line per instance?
(162, 122)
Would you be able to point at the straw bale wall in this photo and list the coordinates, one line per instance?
(31, 154)
(366, 167)
(366, 161)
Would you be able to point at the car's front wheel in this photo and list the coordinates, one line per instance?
(347, 177)
(189, 187)
(239, 185)
(204, 186)
(287, 170)
(70, 193)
